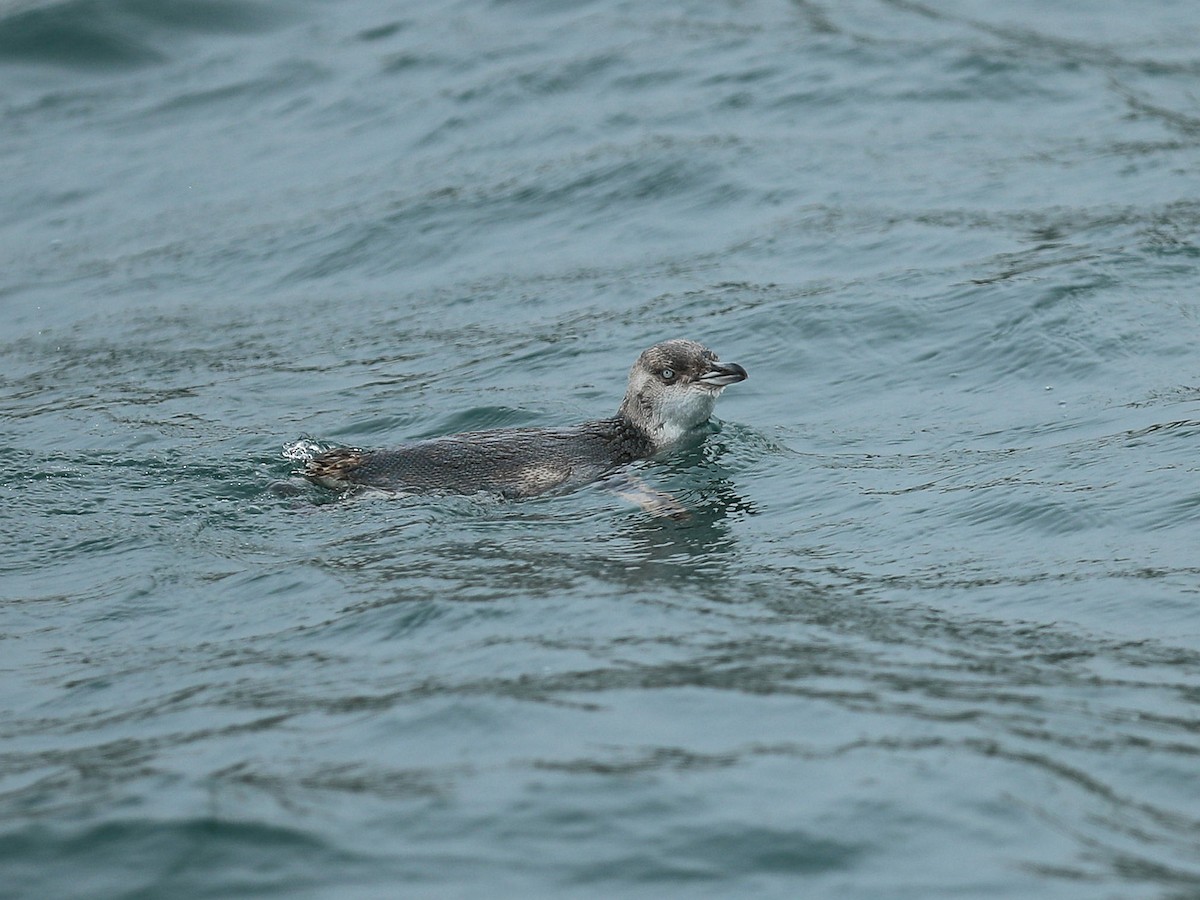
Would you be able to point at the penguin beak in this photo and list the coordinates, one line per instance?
(720, 374)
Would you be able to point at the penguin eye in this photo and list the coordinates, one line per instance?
(667, 374)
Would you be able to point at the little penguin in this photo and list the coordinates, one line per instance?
(671, 392)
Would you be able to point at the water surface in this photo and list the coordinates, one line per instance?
(931, 628)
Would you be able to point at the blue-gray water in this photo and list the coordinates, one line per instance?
(932, 628)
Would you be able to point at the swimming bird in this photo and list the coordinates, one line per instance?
(671, 392)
